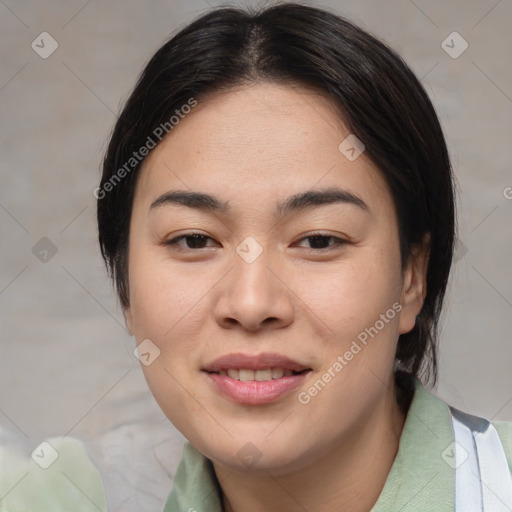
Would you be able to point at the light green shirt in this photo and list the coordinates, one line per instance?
(421, 478)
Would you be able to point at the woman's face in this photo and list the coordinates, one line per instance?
(272, 335)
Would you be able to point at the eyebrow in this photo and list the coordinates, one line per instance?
(298, 202)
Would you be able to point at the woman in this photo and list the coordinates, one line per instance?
(277, 211)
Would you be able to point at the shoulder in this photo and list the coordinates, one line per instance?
(56, 476)
(504, 429)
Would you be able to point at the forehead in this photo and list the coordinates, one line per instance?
(260, 141)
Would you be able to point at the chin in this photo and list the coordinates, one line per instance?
(254, 453)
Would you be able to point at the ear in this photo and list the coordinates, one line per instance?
(414, 288)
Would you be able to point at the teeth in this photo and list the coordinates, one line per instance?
(262, 375)
(247, 375)
(234, 374)
(277, 373)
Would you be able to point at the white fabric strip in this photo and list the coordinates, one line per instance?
(483, 482)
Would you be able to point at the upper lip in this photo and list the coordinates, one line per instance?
(254, 362)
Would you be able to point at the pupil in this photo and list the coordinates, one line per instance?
(318, 241)
(196, 241)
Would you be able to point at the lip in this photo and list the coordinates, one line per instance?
(254, 362)
(255, 392)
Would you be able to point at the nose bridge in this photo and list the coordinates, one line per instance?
(253, 294)
(252, 277)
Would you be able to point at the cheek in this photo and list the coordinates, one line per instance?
(359, 304)
(165, 299)
(168, 308)
(352, 295)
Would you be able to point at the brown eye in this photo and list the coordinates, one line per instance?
(322, 241)
(192, 241)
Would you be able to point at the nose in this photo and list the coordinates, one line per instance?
(254, 296)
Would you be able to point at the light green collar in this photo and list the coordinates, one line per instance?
(421, 478)
(196, 488)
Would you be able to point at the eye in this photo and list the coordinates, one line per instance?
(320, 241)
(195, 241)
(191, 240)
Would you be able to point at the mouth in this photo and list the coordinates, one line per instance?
(255, 379)
(262, 375)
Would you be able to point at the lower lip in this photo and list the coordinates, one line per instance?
(256, 392)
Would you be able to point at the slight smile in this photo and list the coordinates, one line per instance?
(255, 379)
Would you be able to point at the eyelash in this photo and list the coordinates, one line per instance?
(338, 241)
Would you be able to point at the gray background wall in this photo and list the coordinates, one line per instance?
(66, 361)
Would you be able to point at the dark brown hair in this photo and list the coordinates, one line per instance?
(381, 101)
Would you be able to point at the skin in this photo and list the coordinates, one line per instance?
(254, 146)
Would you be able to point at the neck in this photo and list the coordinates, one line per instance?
(349, 477)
